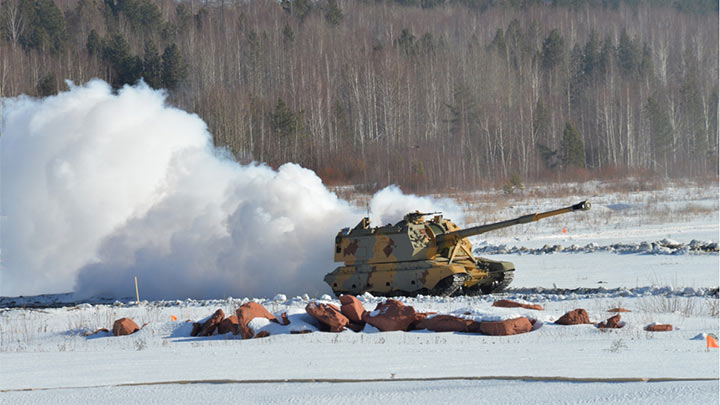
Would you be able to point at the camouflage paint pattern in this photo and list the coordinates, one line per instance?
(416, 256)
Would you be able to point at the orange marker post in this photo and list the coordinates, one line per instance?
(712, 342)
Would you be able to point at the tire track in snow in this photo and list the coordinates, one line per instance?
(380, 380)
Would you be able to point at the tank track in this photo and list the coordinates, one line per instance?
(447, 286)
(493, 287)
(444, 288)
(504, 283)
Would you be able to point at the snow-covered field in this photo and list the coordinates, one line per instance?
(45, 357)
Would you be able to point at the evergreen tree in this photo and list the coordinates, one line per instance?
(498, 42)
(591, 57)
(553, 49)
(548, 156)
(660, 132)
(334, 14)
(606, 57)
(301, 8)
(94, 44)
(646, 63)
(577, 77)
(201, 19)
(541, 121)
(541, 130)
(406, 42)
(284, 122)
(288, 36)
(127, 68)
(426, 45)
(152, 65)
(627, 54)
(46, 27)
(142, 14)
(572, 149)
(173, 67)
(515, 40)
(47, 86)
(464, 114)
(184, 15)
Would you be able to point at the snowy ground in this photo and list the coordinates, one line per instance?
(44, 356)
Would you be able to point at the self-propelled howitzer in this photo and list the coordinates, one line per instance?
(416, 256)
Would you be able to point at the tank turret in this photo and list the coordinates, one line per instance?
(418, 256)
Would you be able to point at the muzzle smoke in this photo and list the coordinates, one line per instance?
(99, 186)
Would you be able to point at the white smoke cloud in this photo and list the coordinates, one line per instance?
(98, 187)
(390, 204)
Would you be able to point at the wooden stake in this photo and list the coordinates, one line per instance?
(137, 296)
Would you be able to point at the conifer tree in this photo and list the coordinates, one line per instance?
(47, 85)
(464, 114)
(334, 14)
(288, 36)
(173, 67)
(283, 121)
(627, 54)
(94, 44)
(406, 42)
(127, 68)
(301, 8)
(152, 65)
(45, 25)
(553, 48)
(572, 149)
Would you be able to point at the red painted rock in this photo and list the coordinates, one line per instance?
(210, 325)
(262, 334)
(419, 318)
(506, 327)
(103, 330)
(124, 326)
(618, 310)
(445, 323)
(513, 304)
(574, 317)
(246, 313)
(352, 308)
(659, 327)
(356, 327)
(391, 315)
(328, 315)
(228, 324)
(611, 323)
(284, 319)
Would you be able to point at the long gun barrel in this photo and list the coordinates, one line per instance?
(452, 237)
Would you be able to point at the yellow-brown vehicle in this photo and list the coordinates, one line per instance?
(416, 256)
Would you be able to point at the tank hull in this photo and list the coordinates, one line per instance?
(423, 277)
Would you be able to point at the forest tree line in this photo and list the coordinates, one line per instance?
(428, 94)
